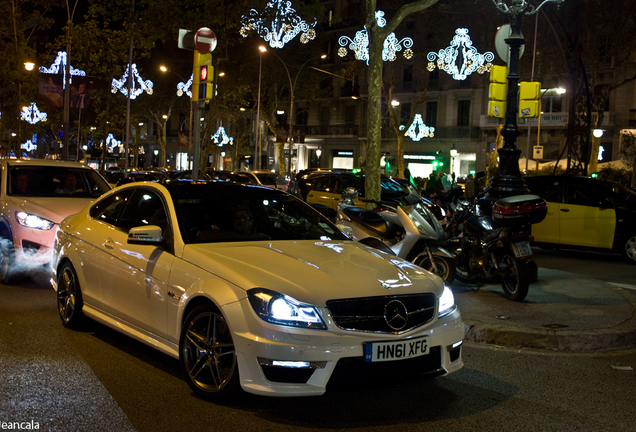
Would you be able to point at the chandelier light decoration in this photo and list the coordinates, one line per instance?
(135, 91)
(60, 61)
(418, 129)
(285, 24)
(32, 114)
(220, 138)
(471, 60)
(185, 88)
(360, 44)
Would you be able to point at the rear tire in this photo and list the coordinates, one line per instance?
(515, 282)
(445, 266)
(69, 297)
(629, 248)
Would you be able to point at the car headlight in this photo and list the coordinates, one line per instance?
(278, 308)
(33, 221)
(446, 303)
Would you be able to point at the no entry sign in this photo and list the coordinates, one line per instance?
(205, 40)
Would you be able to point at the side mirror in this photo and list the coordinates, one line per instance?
(146, 235)
(347, 230)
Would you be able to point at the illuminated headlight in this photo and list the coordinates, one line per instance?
(446, 303)
(280, 309)
(33, 221)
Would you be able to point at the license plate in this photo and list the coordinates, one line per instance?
(398, 350)
(522, 249)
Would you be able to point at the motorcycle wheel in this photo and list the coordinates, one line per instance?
(462, 273)
(445, 266)
(516, 282)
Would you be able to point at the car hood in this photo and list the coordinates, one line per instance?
(313, 271)
(54, 209)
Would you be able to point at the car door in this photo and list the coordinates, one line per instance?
(134, 278)
(325, 191)
(587, 216)
(548, 188)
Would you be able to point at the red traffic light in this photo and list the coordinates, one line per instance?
(203, 75)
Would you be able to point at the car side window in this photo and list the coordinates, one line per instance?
(548, 189)
(145, 207)
(326, 184)
(587, 194)
(109, 209)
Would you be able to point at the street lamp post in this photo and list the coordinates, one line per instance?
(257, 149)
(508, 180)
(292, 85)
(165, 69)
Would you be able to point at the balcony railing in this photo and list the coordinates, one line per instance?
(332, 130)
(549, 120)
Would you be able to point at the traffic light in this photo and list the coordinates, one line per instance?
(529, 97)
(497, 91)
(203, 76)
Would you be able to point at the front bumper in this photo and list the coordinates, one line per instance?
(284, 361)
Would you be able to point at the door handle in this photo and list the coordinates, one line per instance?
(108, 244)
(565, 210)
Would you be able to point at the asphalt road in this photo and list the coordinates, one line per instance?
(97, 379)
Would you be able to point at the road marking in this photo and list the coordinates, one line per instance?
(626, 286)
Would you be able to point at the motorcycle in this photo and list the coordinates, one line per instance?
(409, 231)
(496, 248)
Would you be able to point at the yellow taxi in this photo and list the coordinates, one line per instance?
(586, 213)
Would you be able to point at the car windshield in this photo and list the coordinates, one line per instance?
(53, 181)
(248, 214)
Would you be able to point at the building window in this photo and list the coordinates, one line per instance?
(463, 113)
(407, 78)
(431, 114)
(405, 114)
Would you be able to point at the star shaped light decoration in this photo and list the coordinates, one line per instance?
(60, 61)
(285, 24)
(471, 60)
(32, 114)
(121, 84)
(360, 44)
(220, 138)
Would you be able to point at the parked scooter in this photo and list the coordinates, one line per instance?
(497, 248)
(410, 231)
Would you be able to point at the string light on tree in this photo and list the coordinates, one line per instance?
(111, 143)
(60, 61)
(360, 44)
(220, 138)
(471, 60)
(135, 91)
(285, 24)
(418, 129)
(32, 114)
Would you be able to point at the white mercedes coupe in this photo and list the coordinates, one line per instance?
(251, 288)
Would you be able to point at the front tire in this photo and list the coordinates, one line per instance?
(207, 354)
(445, 266)
(515, 282)
(629, 248)
(69, 297)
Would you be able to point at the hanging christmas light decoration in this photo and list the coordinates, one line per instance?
(285, 24)
(471, 59)
(28, 146)
(360, 44)
(185, 88)
(111, 143)
(60, 62)
(32, 114)
(220, 138)
(135, 91)
(418, 129)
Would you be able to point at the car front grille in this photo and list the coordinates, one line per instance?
(384, 314)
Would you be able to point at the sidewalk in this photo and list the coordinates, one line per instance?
(562, 312)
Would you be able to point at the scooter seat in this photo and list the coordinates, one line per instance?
(372, 221)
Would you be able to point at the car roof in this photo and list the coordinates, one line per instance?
(45, 163)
